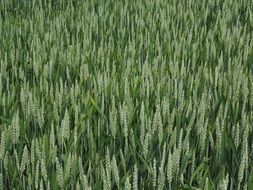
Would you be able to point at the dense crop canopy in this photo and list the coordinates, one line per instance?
(148, 94)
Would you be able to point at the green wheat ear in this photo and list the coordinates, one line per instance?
(15, 128)
(127, 184)
(115, 171)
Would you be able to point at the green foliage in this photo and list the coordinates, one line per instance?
(126, 94)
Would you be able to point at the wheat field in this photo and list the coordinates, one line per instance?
(103, 94)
